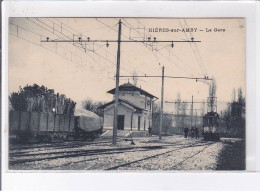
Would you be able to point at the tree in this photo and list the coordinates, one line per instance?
(41, 99)
(167, 121)
(234, 115)
(233, 95)
(212, 95)
(212, 88)
(180, 112)
(177, 103)
(92, 106)
(155, 118)
(135, 79)
(184, 107)
(202, 108)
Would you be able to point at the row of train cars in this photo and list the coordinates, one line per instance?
(39, 127)
(26, 127)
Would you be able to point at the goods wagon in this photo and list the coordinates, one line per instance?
(88, 125)
(49, 127)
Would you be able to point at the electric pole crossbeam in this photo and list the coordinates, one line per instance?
(186, 102)
(116, 41)
(174, 77)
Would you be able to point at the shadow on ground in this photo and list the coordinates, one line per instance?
(232, 156)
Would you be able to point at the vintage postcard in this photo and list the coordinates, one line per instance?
(126, 94)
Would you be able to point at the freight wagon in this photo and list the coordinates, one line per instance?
(50, 127)
(88, 125)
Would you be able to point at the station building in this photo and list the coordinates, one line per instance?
(135, 108)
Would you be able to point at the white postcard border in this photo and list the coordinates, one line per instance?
(132, 180)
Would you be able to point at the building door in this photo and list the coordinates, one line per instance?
(120, 122)
(139, 122)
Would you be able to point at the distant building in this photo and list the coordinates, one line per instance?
(134, 109)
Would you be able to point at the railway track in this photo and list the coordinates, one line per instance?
(148, 148)
(78, 153)
(169, 151)
(198, 144)
(53, 151)
(197, 153)
(16, 149)
(26, 157)
(63, 145)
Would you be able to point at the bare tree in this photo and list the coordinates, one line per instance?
(212, 95)
(167, 120)
(203, 108)
(212, 88)
(135, 79)
(178, 111)
(234, 97)
(234, 115)
(177, 104)
(92, 106)
(184, 107)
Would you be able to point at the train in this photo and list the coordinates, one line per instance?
(40, 127)
(211, 127)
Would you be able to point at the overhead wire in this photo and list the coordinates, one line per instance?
(203, 66)
(122, 35)
(190, 45)
(17, 35)
(75, 42)
(100, 47)
(164, 55)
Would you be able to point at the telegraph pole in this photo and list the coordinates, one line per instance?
(117, 85)
(161, 112)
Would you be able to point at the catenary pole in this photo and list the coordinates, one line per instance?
(161, 112)
(117, 85)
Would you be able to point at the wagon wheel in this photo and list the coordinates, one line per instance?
(70, 138)
(46, 139)
(24, 138)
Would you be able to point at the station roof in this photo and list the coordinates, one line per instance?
(120, 100)
(131, 87)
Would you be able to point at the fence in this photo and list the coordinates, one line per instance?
(39, 122)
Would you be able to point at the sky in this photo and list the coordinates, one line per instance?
(87, 71)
